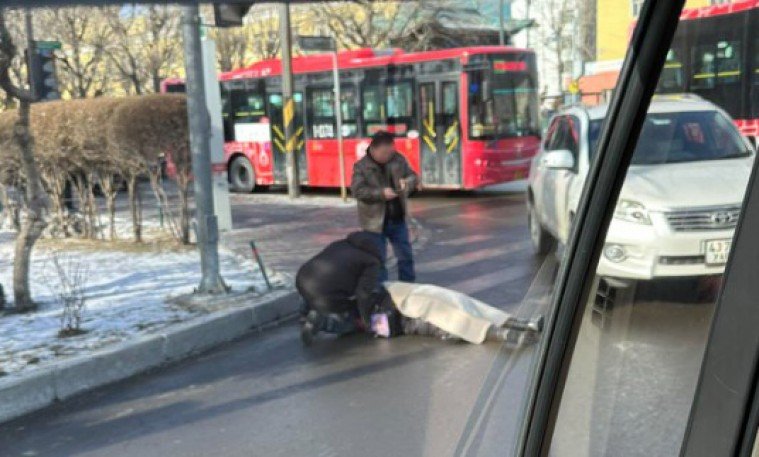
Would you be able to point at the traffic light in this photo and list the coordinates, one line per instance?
(42, 75)
(230, 14)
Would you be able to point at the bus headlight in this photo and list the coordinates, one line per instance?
(630, 211)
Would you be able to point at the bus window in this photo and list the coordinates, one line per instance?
(373, 110)
(322, 107)
(349, 110)
(400, 107)
(671, 79)
(718, 63)
(728, 62)
(246, 106)
(502, 104)
(225, 113)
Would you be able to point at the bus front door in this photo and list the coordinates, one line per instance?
(440, 133)
(278, 142)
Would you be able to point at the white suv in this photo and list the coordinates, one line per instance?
(681, 198)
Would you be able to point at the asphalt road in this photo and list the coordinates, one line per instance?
(266, 395)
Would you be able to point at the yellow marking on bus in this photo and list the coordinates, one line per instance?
(382, 111)
(453, 144)
(721, 74)
(673, 65)
(278, 132)
(429, 129)
(279, 145)
(288, 112)
(429, 143)
(452, 128)
(291, 144)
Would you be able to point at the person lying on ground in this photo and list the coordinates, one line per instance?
(423, 309)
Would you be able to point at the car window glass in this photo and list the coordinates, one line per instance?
(637, 355)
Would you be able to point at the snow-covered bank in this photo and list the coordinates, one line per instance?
(126, 294)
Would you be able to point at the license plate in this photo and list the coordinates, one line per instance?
(717, 251)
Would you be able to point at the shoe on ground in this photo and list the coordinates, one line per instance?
(310, 328)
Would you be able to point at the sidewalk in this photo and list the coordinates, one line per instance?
(287, 233)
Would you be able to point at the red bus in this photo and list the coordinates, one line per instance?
(464, 118)
(715, 54)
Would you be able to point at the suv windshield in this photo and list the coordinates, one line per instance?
(681, 137)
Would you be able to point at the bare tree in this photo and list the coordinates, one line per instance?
(33, 222)
(232, 47)
(365, 23)
(161, 48)
(555, 25)
(83, 37)
(123, 51)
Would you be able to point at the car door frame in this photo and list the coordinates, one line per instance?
(548, 184)
(635, 88)
(564, 181)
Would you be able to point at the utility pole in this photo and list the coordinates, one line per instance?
(200, 131)
(288, 109)
(501, 32)
(30, 50)
(339, 121)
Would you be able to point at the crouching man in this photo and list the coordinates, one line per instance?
(340, 286)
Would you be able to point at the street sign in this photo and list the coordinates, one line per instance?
(316, 43)
(47, 45)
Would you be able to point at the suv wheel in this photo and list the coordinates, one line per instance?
(541, 240)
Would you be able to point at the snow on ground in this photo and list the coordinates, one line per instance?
(126, 291)
(325, 201)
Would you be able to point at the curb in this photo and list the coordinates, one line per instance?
(33, 390)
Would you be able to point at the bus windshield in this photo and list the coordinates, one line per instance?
(503, 101)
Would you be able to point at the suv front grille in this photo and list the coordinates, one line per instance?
(712, 218)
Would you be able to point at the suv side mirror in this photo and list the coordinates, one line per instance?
(559, 159)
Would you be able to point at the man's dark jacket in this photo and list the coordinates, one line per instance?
(369, 179)
(345, 269)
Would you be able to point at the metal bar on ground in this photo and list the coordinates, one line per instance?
(260, 264)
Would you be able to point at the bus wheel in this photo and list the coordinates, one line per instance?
(242, 177)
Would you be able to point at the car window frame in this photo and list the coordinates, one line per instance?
(636, 84)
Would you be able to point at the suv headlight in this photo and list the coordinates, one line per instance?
(630, 211)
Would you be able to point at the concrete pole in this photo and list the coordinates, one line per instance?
(30, 50)
(288, 110)
(339, 119)
(200, 132)
(501, 31)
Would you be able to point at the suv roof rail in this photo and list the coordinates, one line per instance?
(678, 97)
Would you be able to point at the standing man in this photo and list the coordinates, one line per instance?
(382, 182)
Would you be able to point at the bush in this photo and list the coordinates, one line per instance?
(103, 141)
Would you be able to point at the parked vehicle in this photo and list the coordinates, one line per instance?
(680, 203)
